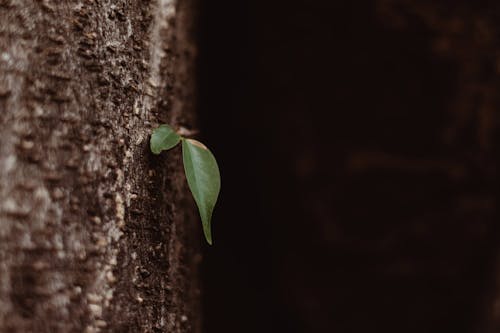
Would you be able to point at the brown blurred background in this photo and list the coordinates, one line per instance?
(358, 146)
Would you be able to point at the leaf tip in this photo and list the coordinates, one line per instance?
(153, 148)
(208, 234)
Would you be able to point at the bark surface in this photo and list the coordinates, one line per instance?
(93, 231)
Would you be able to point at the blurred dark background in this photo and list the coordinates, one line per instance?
(357, 143)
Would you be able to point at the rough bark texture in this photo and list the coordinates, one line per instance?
(93, 234)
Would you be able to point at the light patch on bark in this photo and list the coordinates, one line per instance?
(165, 11)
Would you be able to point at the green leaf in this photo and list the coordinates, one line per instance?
(203, 178)
(163, 138)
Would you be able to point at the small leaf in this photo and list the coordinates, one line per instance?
(163, 138)
(203, 178)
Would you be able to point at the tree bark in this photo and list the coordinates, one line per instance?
(96, 234)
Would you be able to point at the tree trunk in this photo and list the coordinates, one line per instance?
(96, 234)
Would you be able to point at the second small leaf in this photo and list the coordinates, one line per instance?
(163, 138)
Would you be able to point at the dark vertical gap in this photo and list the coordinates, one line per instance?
(238, 294)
